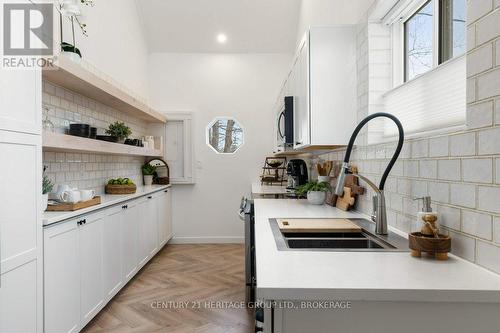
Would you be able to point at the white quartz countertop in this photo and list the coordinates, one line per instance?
(259, 189)
(355, 276)
(106, 201)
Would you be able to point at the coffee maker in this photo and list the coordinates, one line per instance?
(297, 174)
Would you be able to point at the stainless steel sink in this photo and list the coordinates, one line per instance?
(366, 240)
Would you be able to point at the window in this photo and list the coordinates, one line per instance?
(419, 31)
(433, 34)
(225, 135)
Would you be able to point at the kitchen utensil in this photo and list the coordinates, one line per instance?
(72, 196)
(86, 195)
(317, 225)
(64, 206)
(347, 200)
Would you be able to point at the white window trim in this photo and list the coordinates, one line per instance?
(189, 160)
(407, 9)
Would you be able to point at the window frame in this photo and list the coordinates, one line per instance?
(407, 10)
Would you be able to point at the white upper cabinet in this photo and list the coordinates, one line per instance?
(323, 84)
(18, 110)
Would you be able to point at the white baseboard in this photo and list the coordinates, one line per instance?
(207, 240)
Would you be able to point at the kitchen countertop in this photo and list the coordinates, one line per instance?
(106, 201)
(258, 189)
(358, 276)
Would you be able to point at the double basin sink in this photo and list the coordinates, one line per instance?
(365, 240)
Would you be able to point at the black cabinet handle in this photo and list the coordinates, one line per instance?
(298, 143)
(84, 221)
(150, 197)
(165, 191)
(124, 206)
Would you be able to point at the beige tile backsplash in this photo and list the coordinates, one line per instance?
(83, 170)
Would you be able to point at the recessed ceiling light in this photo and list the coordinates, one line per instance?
(221, 38)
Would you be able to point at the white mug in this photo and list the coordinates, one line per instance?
(56, 195)
(86, 195)
(71, 196)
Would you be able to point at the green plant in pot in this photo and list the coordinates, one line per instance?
(47, 187)
(119, 130)
(148, 172)
(315, 192)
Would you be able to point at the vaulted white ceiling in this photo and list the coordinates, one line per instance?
(251, 26)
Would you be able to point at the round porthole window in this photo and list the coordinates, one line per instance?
(225, 135)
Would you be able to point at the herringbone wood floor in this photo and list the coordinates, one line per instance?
(181, 273)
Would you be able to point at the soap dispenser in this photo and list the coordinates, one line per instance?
(427, 219)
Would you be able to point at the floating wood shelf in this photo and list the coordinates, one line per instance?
(309, 150)
(69, 143)
(74, 77)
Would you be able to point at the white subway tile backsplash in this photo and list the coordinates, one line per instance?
(488, 255)
(418, 188)
(477, 170)
(449, 217)
(410, 168)
(439, 147)
(463, 144)
(449, 169)
(488, 84)
(463, 195)
(479, 225)
(439, 192)
(497, 111)
(480, 115)
(471, 37)
(471, 90)
(420, 149)
(477, 9)
(489, 141)
(496, 229)
(488, 27)
(489, 199)
(497, 172)
(480, 60)
(428, 169)
(463, 246)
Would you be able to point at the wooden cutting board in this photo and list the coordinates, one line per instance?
(317, 225)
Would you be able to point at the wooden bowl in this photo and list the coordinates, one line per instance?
(437, 247)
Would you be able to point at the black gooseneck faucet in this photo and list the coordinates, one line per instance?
(379, 215)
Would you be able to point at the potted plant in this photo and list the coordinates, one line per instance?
(71, 9)
(148, 171)
(119, 130)
(47, 187)
(316, 192)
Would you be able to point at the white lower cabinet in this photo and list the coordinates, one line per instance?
(129, 240)
(112, 259)
(164, 207)
(87, 260)
(91, 265)
(62, 278)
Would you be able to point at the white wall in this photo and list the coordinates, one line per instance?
(115, 44)
(330, 12)
(242, 86)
